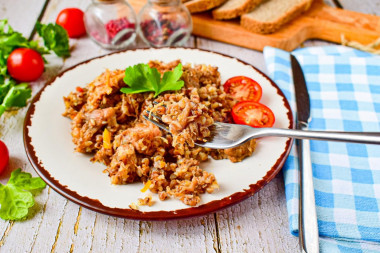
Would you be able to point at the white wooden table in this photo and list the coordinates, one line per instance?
(258, 224)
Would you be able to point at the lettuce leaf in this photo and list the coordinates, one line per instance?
(15, 196)
(55, 38)
(14, 95)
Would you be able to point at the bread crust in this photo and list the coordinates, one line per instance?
(247, 6)
(257, 26)
(202, 5)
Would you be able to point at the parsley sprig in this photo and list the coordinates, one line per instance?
(142, 78)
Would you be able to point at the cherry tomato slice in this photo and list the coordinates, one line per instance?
(253, 114)
(25, 64)
(243, 88)
(72, 20)
(4, 157)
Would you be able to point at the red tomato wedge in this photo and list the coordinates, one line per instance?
(4, 157)
(243, 88)
(253, 114)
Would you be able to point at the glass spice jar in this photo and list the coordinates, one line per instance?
(111, 23)
(164, 23)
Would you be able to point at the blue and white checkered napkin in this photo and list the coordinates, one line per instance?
(344, 88)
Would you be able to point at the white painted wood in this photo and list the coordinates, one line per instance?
(252, 57)
(258, 224)
(370, 7)
(191, 235)
(19, 18)
(330, 2)
(50, 224)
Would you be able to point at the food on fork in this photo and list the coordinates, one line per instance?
(110, 124)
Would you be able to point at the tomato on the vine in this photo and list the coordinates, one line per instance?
(253, 114)
(4, 157)
(71, 19)
(25, 64)
(243, 88)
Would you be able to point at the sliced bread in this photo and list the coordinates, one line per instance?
(270, 15)
(234, 8)
(202, 5)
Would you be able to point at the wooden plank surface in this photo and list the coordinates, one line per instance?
(14, 11)
(258, 224)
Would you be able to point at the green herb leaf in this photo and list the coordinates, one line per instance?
(142, 78)
(15, 95)
(170, 80)
(10, 40)
(4, 88)
(15, 196)
(55, 38)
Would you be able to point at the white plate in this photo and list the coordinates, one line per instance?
(48, 142)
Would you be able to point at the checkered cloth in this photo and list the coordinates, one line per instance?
(344, 88)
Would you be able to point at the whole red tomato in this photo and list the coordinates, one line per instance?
(72, 20)
(4, 157)
(25, 64)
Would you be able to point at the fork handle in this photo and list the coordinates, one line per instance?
(356, 137)
(308, 225)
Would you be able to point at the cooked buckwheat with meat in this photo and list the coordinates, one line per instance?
(109, 124)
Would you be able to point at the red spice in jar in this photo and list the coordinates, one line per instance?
(113, 27)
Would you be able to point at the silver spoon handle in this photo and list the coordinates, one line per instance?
(357, 137)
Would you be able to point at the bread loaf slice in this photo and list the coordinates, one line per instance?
(270, 15)
(234, 8)
(202, 5)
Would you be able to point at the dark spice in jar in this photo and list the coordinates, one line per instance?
(159, 31)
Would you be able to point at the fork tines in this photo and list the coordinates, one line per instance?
(158, 122)
(159, 103)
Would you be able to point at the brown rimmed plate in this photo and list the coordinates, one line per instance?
(48, 144)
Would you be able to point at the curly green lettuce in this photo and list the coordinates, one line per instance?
(16, 197)
(55, 39)
(13, 95)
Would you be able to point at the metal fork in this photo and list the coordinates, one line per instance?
(225, 135)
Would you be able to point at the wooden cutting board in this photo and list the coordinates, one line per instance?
(320, 22)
